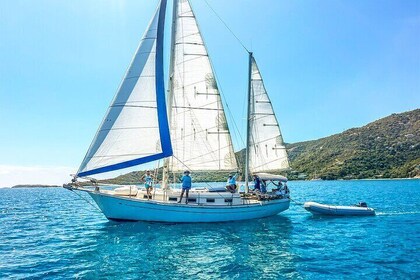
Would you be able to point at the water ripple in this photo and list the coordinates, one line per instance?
(51, 234)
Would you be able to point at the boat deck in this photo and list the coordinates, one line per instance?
(201, 197)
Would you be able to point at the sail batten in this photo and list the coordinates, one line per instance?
(199, 131)
(131, 134)
(267, 151)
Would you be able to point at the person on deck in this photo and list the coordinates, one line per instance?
(279, 188)
(148, 178)
(257, 183)
(231, 183)
(264, 186)
(186, 186)
(286, 190)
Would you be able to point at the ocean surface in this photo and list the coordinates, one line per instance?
(53, 234)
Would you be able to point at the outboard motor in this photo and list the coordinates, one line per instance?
(362, 204)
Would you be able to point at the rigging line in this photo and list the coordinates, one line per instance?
(207, 104)
(197, 132)
(91, 204)
(262, 141)
(133, 106)
(224, 23)
(297, 203)
(154, 179)
(228, 109)
(211, 152)
(195, 108)
(266, 163)
(219, 89)
(195, 123)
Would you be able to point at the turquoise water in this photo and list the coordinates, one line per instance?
(51, 234)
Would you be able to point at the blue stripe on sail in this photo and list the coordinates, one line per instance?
(164, 132)
(122, 165)
(165, 135)
(122, 96)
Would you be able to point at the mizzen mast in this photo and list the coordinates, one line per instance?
(248, 125)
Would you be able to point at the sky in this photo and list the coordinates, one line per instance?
(327, 65)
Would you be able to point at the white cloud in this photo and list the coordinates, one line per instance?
(11, 175)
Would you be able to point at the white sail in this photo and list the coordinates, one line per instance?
(199, 130)
(135, 128)
(266, 150)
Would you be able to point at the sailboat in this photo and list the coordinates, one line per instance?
(186, 128)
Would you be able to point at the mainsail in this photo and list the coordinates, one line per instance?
(266, 147)
(135, 129)
(199, 130)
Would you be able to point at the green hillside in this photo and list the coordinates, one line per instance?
(386, 148)
(199, 176)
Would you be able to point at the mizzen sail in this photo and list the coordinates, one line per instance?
(135, 129)
(199, 130)
(266, 147)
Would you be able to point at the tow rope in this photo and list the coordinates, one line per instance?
(297, 203)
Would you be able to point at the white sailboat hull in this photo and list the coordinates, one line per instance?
(123, 208)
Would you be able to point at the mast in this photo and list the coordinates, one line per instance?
(248, 126)
(165, 175)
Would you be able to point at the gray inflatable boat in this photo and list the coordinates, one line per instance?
(360, 209)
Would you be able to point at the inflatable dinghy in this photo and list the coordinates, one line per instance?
(323, 209)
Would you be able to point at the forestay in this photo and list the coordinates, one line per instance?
(266, 150)
(199, 130)
(135, 128)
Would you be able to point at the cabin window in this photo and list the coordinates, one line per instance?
(209, 200)
(228, 200)
(173, 199)
(145, 196)
(192, 199)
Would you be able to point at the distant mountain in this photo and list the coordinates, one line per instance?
(34, 186)
(386, 148)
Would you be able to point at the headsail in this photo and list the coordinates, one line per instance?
(199, 130)
(135, 128)
(266, 147)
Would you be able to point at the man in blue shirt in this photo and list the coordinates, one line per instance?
(186, 186)
(231, 183)
(257, 183)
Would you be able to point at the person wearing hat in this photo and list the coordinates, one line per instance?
(186, 186)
